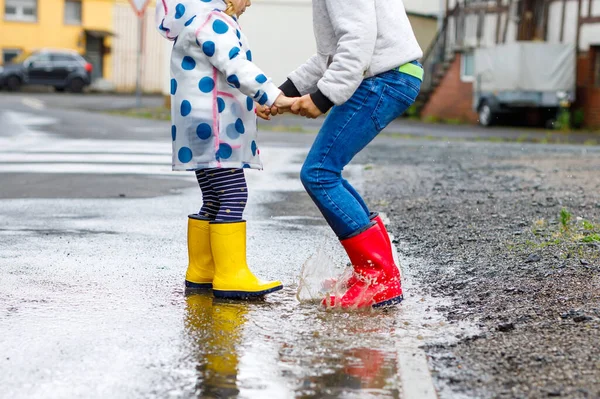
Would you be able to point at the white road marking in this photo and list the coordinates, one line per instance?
(33, 103)
(25, 150)
(415, 377)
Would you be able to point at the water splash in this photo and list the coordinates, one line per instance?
(323, 274)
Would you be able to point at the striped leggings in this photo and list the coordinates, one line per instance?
(224, 193)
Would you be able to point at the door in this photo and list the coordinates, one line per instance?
(39, 69)
(62, 66)
(94, 49)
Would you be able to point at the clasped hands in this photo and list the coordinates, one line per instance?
(296, 105)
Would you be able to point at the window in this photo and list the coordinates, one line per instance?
(20, 10)
(9, 54)
(57, 57)
(467, 66)
(38, 60)
(73, 12)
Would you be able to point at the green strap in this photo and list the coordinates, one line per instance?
(412, 70)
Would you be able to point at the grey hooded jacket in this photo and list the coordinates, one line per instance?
(355, 39)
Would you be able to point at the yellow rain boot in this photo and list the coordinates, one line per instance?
(232, 278)
(201, 268)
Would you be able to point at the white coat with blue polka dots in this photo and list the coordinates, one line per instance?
(214, 85)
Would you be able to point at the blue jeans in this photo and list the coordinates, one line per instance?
(346, 131)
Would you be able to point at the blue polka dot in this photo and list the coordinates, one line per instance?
(208, 48)
(162, 27)
(236, 110)
(220, 104)
(173, 86)
(246, 166)
(238, 34)
(249, 103)
(263, 100)
(179, 10)
(239, 126)
(206, 1)
(232, 132)
(173, 132)
(261, 78)
(225, 151)
(189, 21)
(206, 85)
(234, 52)
(249, 55)
(234, 81)
(184, 155)
(257, 95)
(186, 108)
(204, 131)
(188, 63)
(254, 148)
(220, 27)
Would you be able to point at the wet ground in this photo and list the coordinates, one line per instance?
(501, 294)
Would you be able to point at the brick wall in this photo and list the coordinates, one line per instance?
(588, 91)
(453, 98)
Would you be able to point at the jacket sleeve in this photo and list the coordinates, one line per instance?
(219, 40)
(355, 23)
(306, 76)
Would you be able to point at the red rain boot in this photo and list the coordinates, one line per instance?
(377, 276)
(374, 217)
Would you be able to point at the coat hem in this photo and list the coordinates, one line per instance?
(211, 165)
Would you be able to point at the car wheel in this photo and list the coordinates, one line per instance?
(486, 116)
(13, 83)
(76, 85)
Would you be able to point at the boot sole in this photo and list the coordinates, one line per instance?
(198, 286)
(389, 302)
(244, 294)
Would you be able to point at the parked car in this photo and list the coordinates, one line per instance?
(63, 69)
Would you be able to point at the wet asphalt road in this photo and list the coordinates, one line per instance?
(92, 259)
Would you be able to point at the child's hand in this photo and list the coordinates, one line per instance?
(263, 112)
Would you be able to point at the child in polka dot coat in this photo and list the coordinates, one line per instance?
(214, 88)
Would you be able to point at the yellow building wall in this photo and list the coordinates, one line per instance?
(51, 31)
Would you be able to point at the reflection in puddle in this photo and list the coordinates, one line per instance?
(284, 349)
(214, 331)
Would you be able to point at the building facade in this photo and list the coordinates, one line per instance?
(81, 25)
(470, 24)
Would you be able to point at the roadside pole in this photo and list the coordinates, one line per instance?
(139, 7)
(138, 78)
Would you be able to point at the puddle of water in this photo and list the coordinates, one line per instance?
(286, 349)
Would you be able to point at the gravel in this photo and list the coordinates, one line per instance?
(509, 233)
